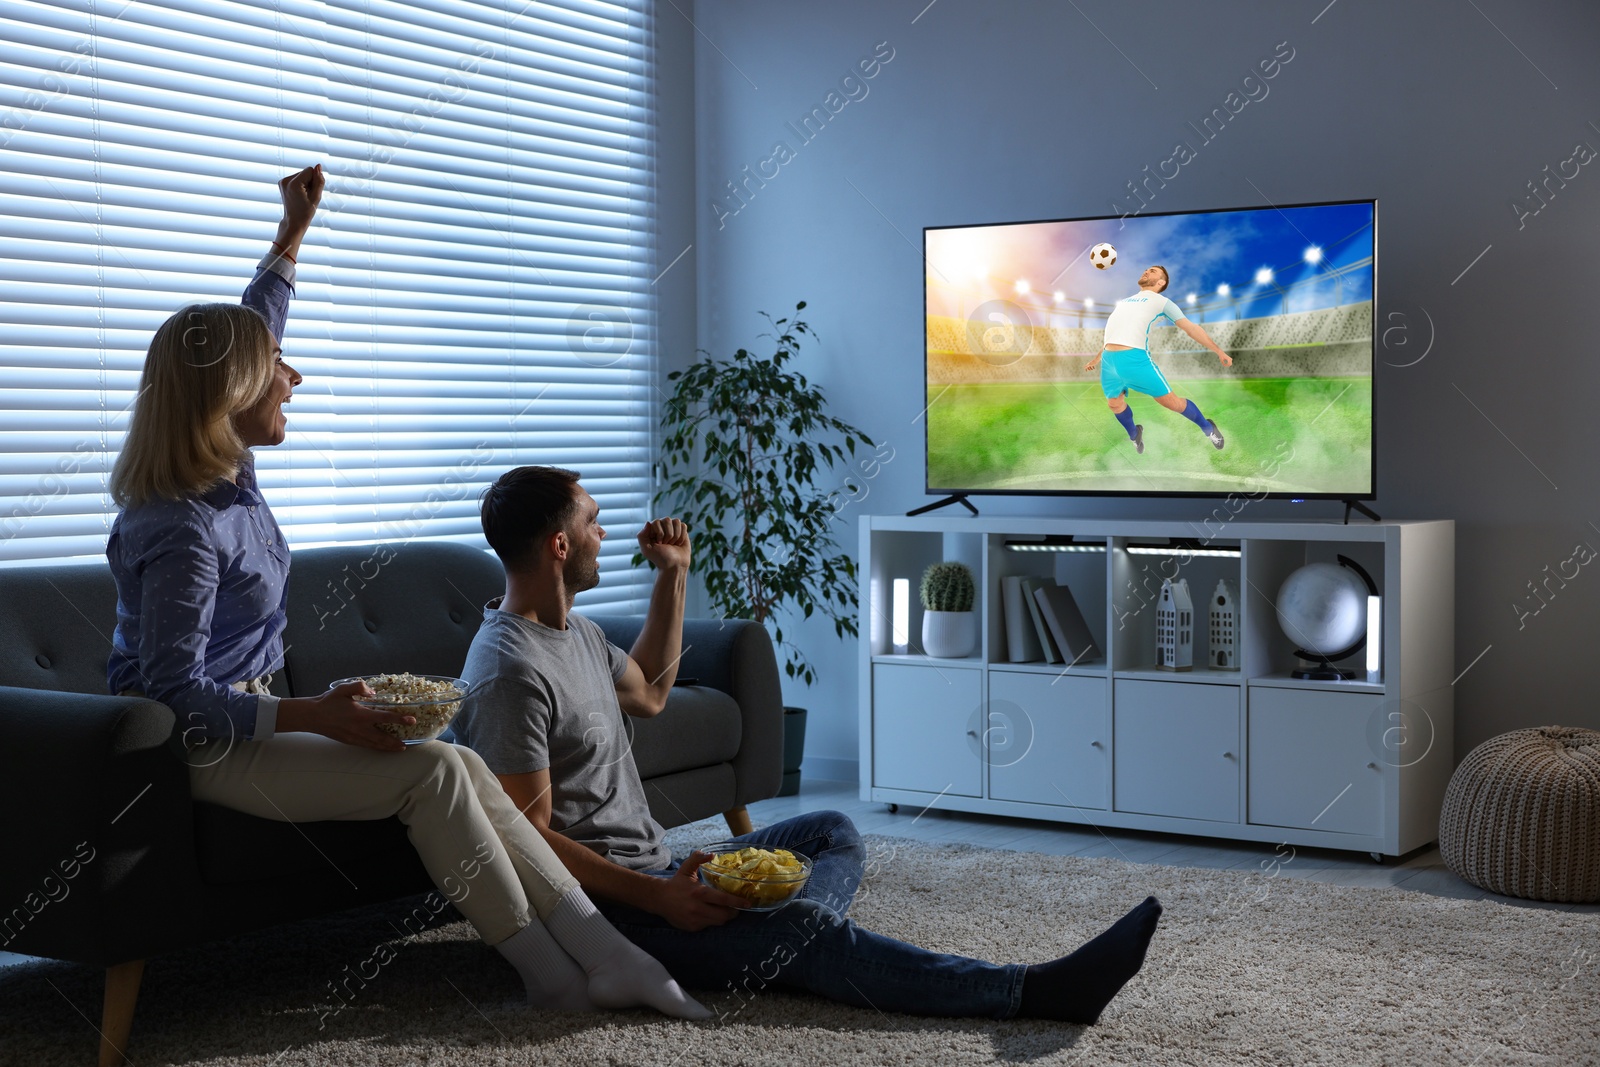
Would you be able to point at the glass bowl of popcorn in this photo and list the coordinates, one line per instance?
(768, 878)
(431, 699)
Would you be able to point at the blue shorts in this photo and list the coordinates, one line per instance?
(1131, 368)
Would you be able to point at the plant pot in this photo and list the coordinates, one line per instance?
(794, 749)
(949, 634)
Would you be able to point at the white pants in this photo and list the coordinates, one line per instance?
(481, 852)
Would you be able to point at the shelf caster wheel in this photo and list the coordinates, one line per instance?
(894, 809)
(1377, 857)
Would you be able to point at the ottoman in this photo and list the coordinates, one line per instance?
(1521, 815)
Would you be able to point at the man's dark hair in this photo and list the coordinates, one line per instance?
(1165, 274)
(523, 507)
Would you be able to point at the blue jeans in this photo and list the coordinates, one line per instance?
(809, 945)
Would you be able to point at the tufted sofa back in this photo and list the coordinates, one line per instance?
(381, 609)
(362, 609)
(55, 626)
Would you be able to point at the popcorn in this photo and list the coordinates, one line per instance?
(433, 703)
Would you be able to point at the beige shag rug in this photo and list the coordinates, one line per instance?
(1246, 969)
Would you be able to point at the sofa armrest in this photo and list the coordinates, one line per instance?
(101, 851)
(735, 656)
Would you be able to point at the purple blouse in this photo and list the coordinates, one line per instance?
(202, 584)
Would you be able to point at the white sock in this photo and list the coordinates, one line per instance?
(621, 974)
(552, 979)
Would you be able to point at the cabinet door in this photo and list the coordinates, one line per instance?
(1047, 739)
(1312, 761)
(925, 729)
(1176, 749)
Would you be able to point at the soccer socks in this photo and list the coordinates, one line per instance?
(1125, 416)
(1192, 413)
(621, 974)
(550, 976)
(1076, 988)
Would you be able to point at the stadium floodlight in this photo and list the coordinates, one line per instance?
(1061, 298)
(1023, 288)
(1313, 255)
(1190, 299)
(1088, 302)
(1223, 289)
(1264, 276)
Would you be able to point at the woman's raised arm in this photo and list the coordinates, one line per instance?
(272, 288)
(301, 193)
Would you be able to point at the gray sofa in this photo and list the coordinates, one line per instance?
(108, 860)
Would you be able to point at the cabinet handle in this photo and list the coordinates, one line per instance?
(1227, 755)
(972, 733)
(1372, 766)
(1094, 744)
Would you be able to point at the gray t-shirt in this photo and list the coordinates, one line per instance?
(547, 699)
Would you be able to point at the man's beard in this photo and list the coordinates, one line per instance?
(580, 574)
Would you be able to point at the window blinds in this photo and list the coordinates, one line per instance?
(475, 294)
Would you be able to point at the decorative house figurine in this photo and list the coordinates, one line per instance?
(1175, 627)
(1225, 627)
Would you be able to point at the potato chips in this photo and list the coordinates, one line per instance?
(764, 876)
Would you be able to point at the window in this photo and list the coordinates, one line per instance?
(475, 294)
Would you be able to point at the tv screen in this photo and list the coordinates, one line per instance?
(1183, 354)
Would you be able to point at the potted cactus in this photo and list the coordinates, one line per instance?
(949, 625)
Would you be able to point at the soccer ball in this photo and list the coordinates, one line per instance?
(1102, 256)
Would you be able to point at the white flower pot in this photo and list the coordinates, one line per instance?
(949, 634)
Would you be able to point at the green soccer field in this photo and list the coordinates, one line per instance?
(1284, 435)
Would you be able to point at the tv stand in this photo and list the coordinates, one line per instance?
(1238, 747)
(1359, 506)
(957, 498)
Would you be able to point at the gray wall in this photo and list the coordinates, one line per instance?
(1025, 109)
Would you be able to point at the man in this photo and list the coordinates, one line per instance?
(1126, 357)
(547, 698)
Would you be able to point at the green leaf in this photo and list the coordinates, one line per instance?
(744, 442)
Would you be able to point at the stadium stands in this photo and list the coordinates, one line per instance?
(1325, 343)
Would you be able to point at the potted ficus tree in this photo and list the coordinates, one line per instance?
(746, 445)
(949, 625)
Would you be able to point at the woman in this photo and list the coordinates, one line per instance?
(202, 573)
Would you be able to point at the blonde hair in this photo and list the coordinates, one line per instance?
(206, 362)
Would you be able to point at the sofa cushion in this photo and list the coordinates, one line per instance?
(683, 797)
(55, 626)
(700, 727)
(381, 609)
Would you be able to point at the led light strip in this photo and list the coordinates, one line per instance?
(1040, 546)
(1162, 550)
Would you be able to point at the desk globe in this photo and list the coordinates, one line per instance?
(1322, 608)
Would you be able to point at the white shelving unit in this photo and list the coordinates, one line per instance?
(1251, 754)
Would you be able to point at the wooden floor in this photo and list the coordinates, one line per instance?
(1421, 872)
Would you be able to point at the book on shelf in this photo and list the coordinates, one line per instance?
(1022, 643)
(1047, 642)
(1066, 624)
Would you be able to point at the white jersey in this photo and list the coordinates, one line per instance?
(1132, 318)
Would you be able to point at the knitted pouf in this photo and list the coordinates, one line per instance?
(1522, 815)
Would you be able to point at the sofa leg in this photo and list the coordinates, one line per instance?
(122, 992)
(738, 820)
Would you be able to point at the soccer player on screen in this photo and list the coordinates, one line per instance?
(1125, 362)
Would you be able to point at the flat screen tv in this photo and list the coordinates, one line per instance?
(1058, 361)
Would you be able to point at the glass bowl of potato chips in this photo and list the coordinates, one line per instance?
(767, 877)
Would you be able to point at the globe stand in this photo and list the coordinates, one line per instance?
(1316, 666)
